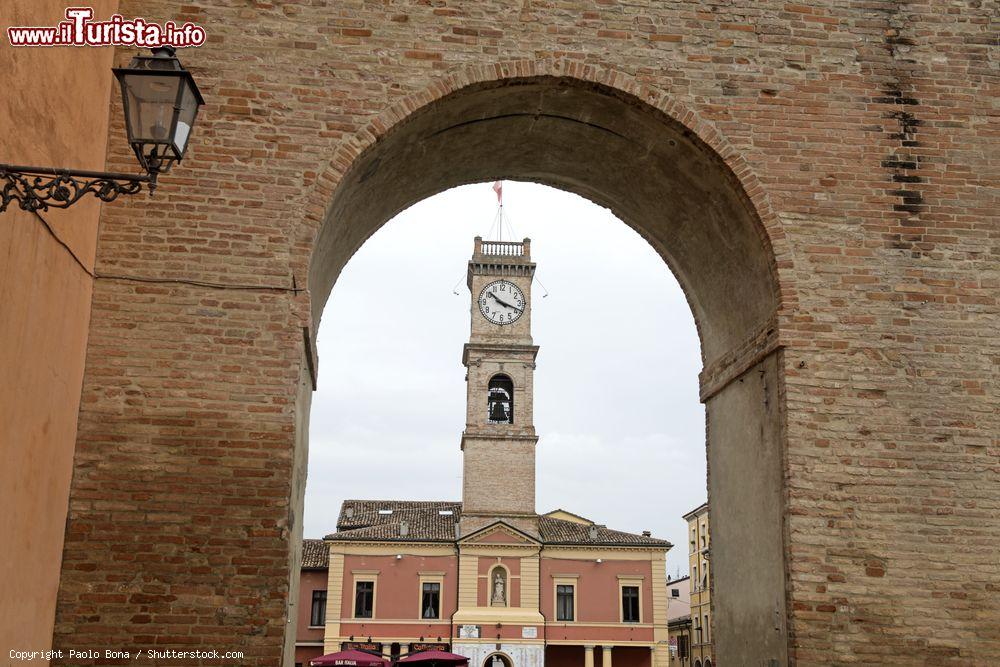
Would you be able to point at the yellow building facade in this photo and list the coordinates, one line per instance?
(699, 565)
(679, 634)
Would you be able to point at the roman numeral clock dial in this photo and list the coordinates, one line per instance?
(501, 302)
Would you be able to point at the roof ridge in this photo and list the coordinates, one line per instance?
(386, 500)
(576, 531)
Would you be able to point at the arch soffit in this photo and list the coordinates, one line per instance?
(319, 201)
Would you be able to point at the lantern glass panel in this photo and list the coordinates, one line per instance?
(151, 99)
(185, 119)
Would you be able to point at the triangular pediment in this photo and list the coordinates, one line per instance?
(499, 532)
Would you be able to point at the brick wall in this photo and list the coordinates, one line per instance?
(861, 135)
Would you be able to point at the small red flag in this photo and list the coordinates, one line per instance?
(498, 188)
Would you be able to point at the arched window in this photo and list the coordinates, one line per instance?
(500, 401)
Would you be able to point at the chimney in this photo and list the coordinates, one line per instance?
(593, 532)
(404, 528)
(646, 533)
(349, 512)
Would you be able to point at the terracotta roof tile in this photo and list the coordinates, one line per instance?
(426, 521)
(315, 554)
(377, 520)
(557, 531)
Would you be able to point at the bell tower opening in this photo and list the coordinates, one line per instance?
(500, 400)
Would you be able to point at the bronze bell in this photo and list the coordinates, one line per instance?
(497, 412)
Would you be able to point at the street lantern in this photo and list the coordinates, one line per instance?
(161, 102)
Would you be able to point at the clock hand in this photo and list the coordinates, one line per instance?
(501, 301)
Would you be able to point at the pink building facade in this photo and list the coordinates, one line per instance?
(578, 594)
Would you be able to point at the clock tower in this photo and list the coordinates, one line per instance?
(499, 440)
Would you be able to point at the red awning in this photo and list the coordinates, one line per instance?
(425, 658)
(349, 659)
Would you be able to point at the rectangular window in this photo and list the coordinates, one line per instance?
(430, 600)
(364, 599)
(318, 615)
(630, 604)
(564, 602)
(707, 629)
(682, 647)
(675, 592)
(697, 631)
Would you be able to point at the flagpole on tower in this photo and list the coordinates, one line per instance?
(498, 188)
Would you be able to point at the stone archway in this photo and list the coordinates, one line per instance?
(624, 146)
(497, 659)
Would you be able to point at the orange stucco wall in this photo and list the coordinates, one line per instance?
(597, 594)
(397, 595)
(597, 600)
(311, 580)
(53, 112)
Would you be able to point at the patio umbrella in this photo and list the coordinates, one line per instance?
(349, 659)
(435, 659)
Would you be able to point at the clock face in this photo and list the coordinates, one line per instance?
(501, 302)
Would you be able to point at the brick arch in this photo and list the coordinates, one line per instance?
(694, 198)
(887, 373)
(401, 109)
(318, 201)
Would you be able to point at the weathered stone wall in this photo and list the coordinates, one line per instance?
(862, 136)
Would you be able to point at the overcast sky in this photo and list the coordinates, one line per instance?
(616, 389)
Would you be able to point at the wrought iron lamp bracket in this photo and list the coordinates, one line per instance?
(39, 188)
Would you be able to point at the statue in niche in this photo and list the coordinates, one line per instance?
(499, 588)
